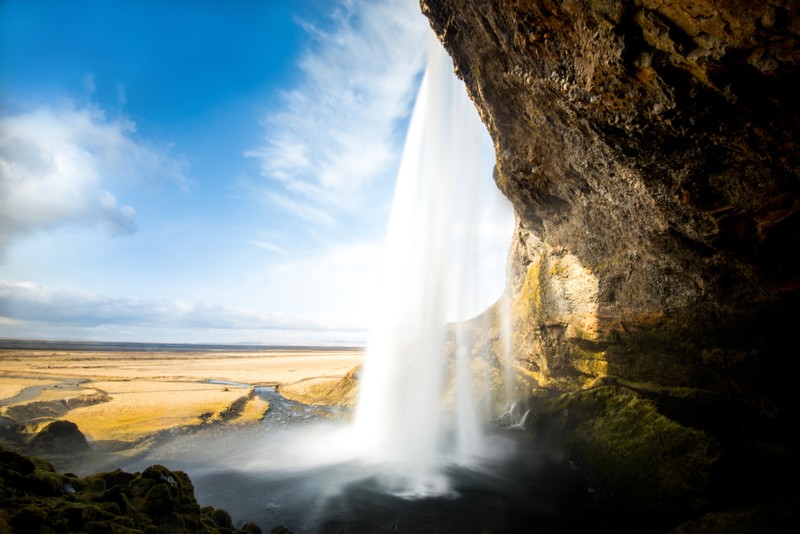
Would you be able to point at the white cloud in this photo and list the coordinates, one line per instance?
(301, 209)
(266, 245)
(337, 130)
(340, 280)
(30, 302)
(58, 163)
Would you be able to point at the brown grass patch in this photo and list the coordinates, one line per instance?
(154, 391)
(141, 408)
(254, 411)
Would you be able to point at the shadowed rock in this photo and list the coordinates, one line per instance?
(650, 150)
(60, 437)
(34, 498)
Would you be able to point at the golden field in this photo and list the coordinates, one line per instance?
(129, 396)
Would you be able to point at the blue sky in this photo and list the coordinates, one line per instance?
(201, 171)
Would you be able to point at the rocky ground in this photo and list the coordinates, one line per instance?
(35, 498)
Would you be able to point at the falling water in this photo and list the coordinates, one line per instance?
(401, 418)
(417, 418)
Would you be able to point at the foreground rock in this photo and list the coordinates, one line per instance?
(34, 498)
(650, 150)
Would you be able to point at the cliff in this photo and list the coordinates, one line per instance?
(650, 151)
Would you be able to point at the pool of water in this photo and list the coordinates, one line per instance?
(297, 469)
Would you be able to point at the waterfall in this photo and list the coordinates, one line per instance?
(416, 409)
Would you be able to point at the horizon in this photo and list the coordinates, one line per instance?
(129, 346)
(207, 174)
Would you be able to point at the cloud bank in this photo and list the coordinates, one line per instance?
(337, 130)
(27, 301)
(59, 163)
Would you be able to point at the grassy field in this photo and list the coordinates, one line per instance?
(127, 396)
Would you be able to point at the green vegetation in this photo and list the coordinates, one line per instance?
(34, 498)
(658, 456)
(528, 304)
(639, 461)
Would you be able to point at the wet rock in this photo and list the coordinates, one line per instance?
(643, 467)
(657, 456)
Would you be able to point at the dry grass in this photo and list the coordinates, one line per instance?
(141, 408)
(255, 410)
(263, 367)
(324, 391)
(154, 391)
(65, 392)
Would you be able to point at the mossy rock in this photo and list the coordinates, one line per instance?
(158, 501)
(778, 517)
(28, 519)
(657, 456)
(644, 468)
(16, 462)
(222, 518)
(60, 437)
(35, 498)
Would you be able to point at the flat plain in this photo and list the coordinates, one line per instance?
(127, 396)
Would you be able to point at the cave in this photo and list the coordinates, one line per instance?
(649, 149)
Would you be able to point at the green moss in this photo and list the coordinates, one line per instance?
(28, 519)
(581, 333)
(222, 518)
(37, 499)
(557, 268)
(647, 465)
(529, 302)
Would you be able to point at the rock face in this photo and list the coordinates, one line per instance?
(650, 149)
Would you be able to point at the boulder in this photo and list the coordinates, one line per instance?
(60, 437)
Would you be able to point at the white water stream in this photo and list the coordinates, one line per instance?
(429, 277)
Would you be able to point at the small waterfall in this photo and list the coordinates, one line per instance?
(428, 270)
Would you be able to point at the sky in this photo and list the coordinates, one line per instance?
(205, 172)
